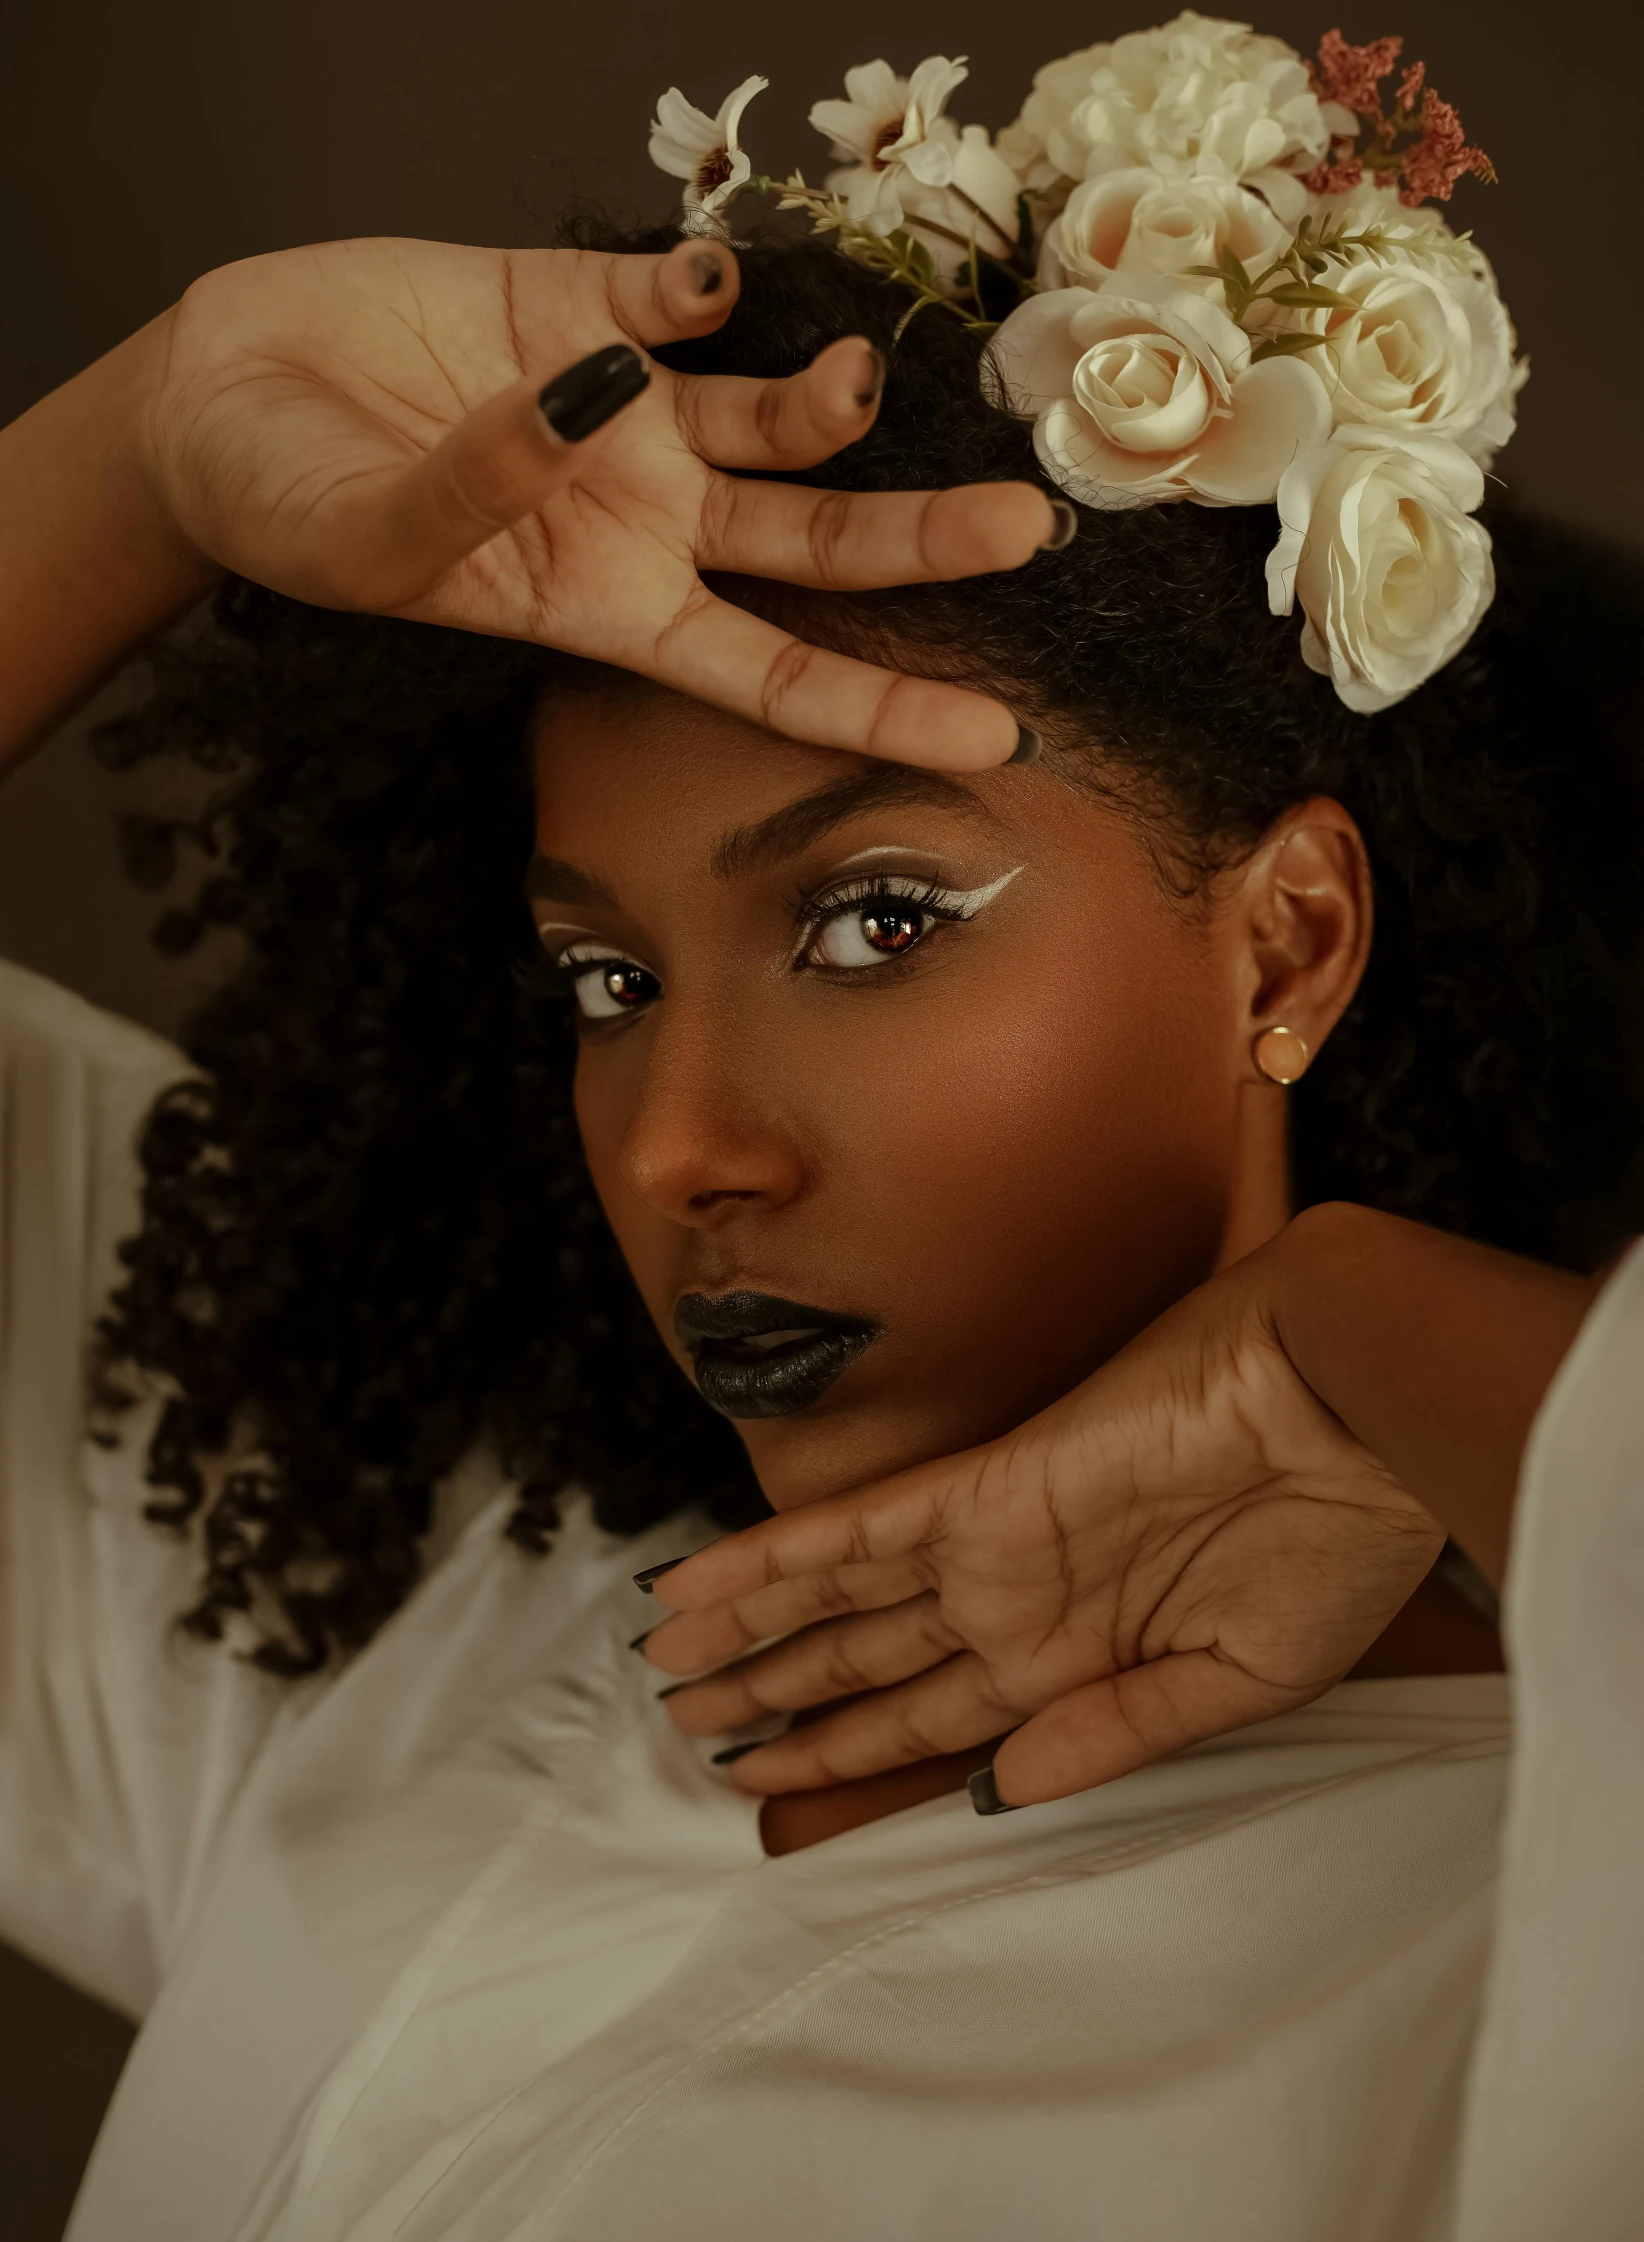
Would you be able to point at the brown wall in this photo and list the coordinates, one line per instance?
(142, 144)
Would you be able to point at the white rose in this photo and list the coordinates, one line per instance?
(1428, 346)
(1134, 221)
(1377, 542)
(1145, 393)
(1040, 145)
(1203, 98)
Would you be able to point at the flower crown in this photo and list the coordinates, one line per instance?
(1207, 272)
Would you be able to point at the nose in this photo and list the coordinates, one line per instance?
(709, 1134)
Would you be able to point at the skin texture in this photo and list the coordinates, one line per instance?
(357, 424)
(1013, 1146)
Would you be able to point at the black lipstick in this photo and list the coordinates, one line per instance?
(756, 1355)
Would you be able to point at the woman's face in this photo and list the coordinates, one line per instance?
(909, 1098)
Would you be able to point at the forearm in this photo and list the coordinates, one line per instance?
(1434, 1352)
(91, 563)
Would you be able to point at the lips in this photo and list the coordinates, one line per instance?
(757, 1355)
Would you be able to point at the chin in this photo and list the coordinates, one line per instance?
(807, 1457)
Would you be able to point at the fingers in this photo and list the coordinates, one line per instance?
(851, 540)
(947, 1709)
(797, 422)
(717, 653)
(668, 299)
(849, 1529)
(393, 536)
(842, 1658)
(693, 1641)
(1109, 1728)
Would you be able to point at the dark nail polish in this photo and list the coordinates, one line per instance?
(737, 1751)
(585, 396)
(655, 1572)
(984, 1793)
(869, 394)
(708, 272)
(1028, 745)
(640, 1641)
(673, 1689)
(1067, 527)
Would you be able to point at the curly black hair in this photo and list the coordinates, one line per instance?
(368, 1238)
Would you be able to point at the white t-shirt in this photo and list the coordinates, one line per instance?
(465, 1942)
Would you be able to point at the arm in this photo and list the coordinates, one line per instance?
(480, 439)
(1433, 1352)
(91, 561)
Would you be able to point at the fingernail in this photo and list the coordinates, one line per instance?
(984, 1793)
(737, 1751)
(640, 1641)
(1028, 745)
(708, 273)
(1067, 527)
(585, 396)
(655, 1572)
(870, 392)
(673, 1689)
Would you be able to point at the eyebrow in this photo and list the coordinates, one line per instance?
(552, 881)
(773, 839)
(754, 848)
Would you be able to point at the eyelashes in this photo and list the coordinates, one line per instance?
(866, 921)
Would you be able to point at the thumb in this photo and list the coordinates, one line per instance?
(495, 467)
(1110, 1728)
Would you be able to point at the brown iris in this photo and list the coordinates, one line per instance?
(891, 930)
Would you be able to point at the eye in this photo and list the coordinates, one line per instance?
(870, 933)
(608, 985)
(872, 921)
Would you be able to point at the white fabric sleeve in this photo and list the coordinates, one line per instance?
(1554, 2141)
(120, 1749)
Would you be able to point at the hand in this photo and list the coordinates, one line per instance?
(357, 425)
(1189, 1542)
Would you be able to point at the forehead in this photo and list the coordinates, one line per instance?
(629, 775)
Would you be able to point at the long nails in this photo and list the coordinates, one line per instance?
(984, 1793)
(654, 1573)
(868, 394)
(707, 272)
(640, 1641)
(1067, 527)
(673, 1689)
(737, 1751)
(1028, 745)
(585, 396)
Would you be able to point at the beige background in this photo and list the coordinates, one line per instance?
(142, 144)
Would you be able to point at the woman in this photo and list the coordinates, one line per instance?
(494, 1947)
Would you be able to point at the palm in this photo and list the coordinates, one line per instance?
(1152, 1561)
(356, 425)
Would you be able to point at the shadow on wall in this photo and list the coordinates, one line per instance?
(60, 2055)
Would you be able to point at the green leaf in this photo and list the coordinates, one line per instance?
(1299, 295)
(1205, 272)
(1284, 346)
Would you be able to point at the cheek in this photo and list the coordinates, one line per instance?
(1043, 1156)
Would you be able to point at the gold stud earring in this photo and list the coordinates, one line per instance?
(1281, 1055)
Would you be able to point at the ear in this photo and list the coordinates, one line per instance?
(1305, 903)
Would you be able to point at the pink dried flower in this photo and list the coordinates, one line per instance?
(1411, 84)
(1353, 75)
(1337, 175)
(1441, 156)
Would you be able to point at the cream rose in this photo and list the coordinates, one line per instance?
(1145, 393)
(1203, 98)
(1040, 146)
(1134, 221)
(1377, 542)
(1428, 345)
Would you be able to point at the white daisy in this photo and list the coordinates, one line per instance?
(703, 151)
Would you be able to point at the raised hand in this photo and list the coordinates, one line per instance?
(358, 425)
(1189, 1542)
